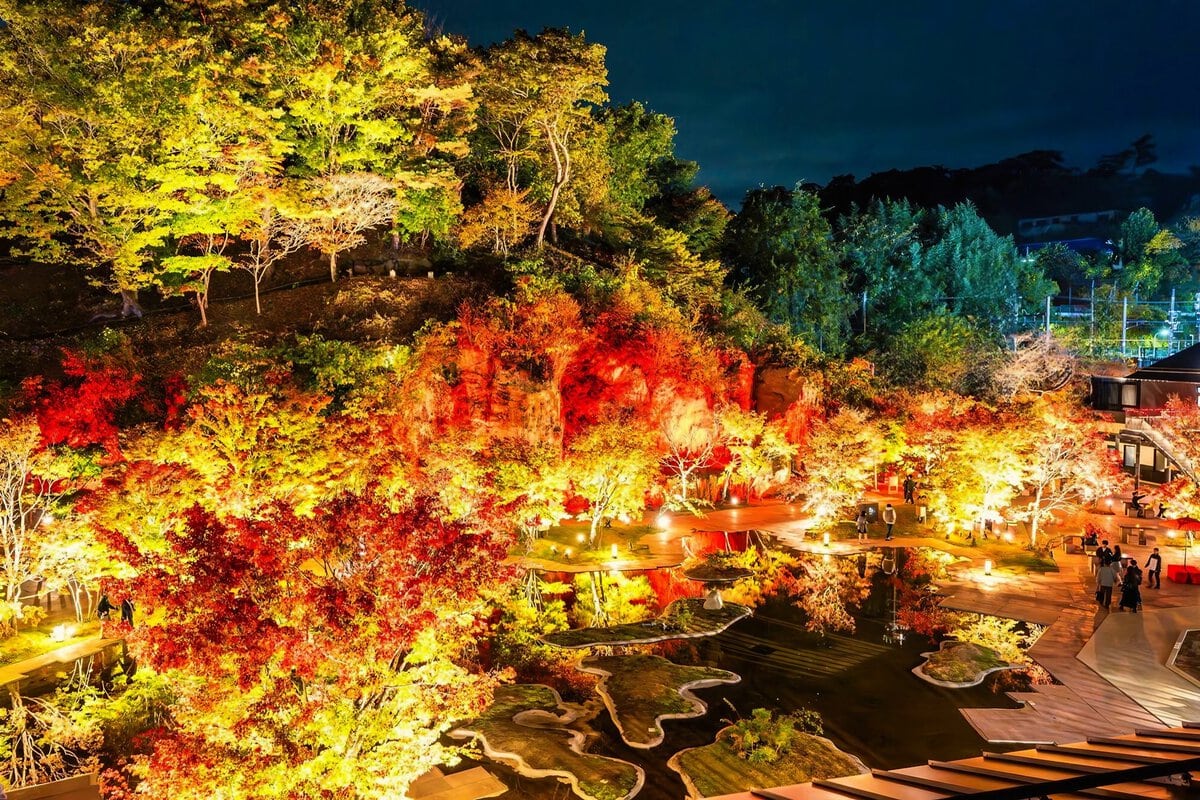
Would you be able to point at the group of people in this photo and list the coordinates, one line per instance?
(889, 519)
(105, 608)
(1116, 571)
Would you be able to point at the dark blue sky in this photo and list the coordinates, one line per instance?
(776, 91)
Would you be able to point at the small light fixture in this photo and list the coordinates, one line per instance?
(567, 553)
(825, 539)
(623, 519)
(579, 537)
(1008, 537)
(987, 567)
(613, 550)
(663, 520)
(733, 501)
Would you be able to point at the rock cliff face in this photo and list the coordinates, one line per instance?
(793, 395)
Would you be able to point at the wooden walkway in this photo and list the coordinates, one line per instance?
(13, 673)
(1085, 701)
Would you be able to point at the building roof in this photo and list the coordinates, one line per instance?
(1183, 367)
(1129, 767)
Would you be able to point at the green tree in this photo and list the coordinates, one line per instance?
(87, 92)
(536, 99)
(979, 272)
(882, 250)
(611, 465)
(780, 249)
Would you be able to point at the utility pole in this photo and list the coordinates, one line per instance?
(1124, 322)
(1171, 324)
(1047, 315)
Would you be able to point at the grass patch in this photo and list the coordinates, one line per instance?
(543, 749)
(961, 662)
(571, 537)
(717, 769)
(642, 690)
(28, 643)
(683, 619)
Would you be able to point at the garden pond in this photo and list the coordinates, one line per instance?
(872, 705)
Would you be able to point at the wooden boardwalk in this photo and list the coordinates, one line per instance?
(14, 673)
(1085, 702)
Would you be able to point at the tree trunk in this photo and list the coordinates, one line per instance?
(592, 540)
(257, 303)
(129, 304)
(333, 267)
(1035, 517)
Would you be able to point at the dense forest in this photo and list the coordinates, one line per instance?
(324, 526)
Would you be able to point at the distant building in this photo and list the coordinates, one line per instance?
(1136, 399)
(1054, 227)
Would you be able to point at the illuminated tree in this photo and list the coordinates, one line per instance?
(611, 466)
(1037, 364)
(689, 449)
(830, 588)
(501, 220)
(1066, 460)
(87, 92)
(269, 235)
(845, 450)
(338, 647)
(759, 452)
(536, 98)
(980, 472)
(339, 209)
(33, 487)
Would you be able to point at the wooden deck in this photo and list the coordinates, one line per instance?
(13, 673)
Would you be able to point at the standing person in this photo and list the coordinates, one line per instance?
(1131, 594)
(1106, 578)
(889, 519)
(860, 524)
(910, 488)
(1105, 553)
(1116, 557)
(104, 608)
(1154, 570)
(127, 611)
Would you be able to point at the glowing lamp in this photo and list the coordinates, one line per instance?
(579, 537)
(987, 567)
(662, 520)
(613, 550)
(1110, 504)
(733, 501)
(825, 539)
(623, 519)
(567, 553)
(61, 633)
(47, 518)
(1008, 537)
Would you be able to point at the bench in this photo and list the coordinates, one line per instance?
(636, 548)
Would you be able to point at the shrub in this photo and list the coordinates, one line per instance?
(763, 737)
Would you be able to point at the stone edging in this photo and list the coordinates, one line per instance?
(919, 670)
(699, 707)
(576, 744)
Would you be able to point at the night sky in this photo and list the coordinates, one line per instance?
(777, 91)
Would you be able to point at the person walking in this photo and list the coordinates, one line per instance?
(127, 610)
(104, 608)
(1104, 553)
(1106, 578)
(860, 524)
(1154, 570)
(1131, 593)
(889, 519)
(910, 488)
